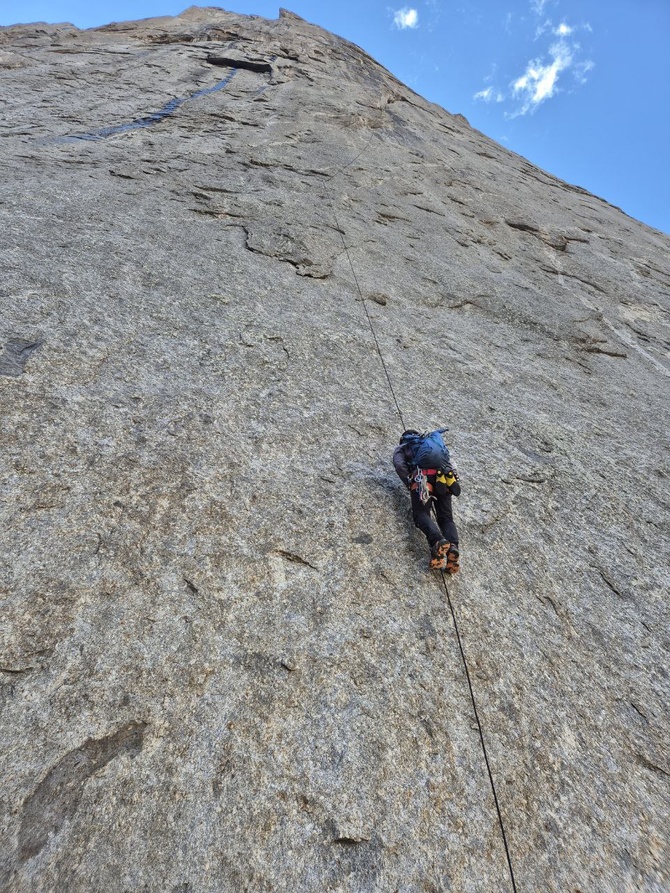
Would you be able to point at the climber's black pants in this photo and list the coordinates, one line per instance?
(424, 520)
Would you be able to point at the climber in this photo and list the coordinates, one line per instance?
(423, 464)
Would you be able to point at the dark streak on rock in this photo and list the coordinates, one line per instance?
(430, 210)
(608, 352)
(291, 556)
(16, 354)
(523, 226)
(609, 582)
(590, 284)
(248, 64)
(638, 711)
(123, 174)
(364, 539)
(428, 727)
(463, 304)
(648, 764)
(558, 241)
(548, 599)
(219, 214)
(56, 798)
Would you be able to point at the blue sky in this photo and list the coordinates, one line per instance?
(579, 87)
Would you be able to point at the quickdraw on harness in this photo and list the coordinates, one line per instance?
(420, 483)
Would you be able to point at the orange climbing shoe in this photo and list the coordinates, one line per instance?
(438, 555)
(452, 564)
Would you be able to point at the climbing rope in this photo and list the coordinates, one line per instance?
(335, 174)
(481, 733)
(444, 580)
(372, 328)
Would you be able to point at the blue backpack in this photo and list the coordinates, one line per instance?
(427, 450)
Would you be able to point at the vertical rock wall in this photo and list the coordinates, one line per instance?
(225, 664)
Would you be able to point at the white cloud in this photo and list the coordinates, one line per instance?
(406, 18)
(561, 66)
(489, 95)
(542, 28)
(539, 81)
(582, 69)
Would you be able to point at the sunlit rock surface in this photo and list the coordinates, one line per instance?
(225, 664)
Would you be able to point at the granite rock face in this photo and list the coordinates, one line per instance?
(225, 665)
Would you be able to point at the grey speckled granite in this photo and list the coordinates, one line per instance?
(225, 664)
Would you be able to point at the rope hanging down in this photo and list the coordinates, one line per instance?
(449, 602)
(481, 733)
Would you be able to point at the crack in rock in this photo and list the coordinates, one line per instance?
(558, 241)
(292, 248)
(248, 64)
(293, 557)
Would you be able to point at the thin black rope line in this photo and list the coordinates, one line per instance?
(444, 579)
(481, 733)
(360, 292)
(340, 170)
(353, 272)
(372, 328)
(349, 163)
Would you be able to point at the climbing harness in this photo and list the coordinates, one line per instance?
(420, 483)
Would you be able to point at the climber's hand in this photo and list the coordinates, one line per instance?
(451, 479)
